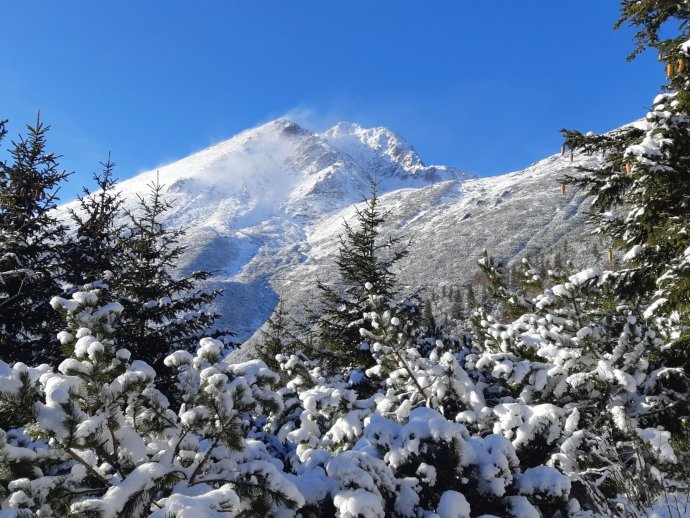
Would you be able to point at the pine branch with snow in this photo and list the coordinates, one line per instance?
(105, 442)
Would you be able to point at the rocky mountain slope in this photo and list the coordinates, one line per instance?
(264, 210)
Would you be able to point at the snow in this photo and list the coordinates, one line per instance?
(81, 347)
(57, 390)
(685, 48)
(178, 358)
(142, 370)
(543, 479)
(453, 505)
(520, 422)
(671, 505)
(209, 348)
(10, 376)
(584, 276)
(85, 298)
(313, 484)
(111, 504)
(131, 445)
(659, 441)
(427, 473)
(620, 418)
(572, 422)
(649, 312)
(520, 507)
(561, 290)
(633, 253)
(207, 505)
(358, 504)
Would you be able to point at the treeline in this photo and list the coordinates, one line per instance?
(451, 305)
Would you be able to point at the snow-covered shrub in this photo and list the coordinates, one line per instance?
(98, 438)
(579, 385)
(400, 451)
(321, 411)
(411, 373)
(419, 466)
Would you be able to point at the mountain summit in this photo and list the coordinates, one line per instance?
(282, 169)
(264, 209)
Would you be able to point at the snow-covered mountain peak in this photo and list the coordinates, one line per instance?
(250, 202)
(353, 139)
(369, 145)
(281, 168)
(386, 154)
(264, 209)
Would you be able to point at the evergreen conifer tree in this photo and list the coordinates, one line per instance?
(277, 337)
(457, 310)
(160, 310)
(30, 254)
(98, 439)
(364, 258)
(470, 297)
(646, 164)
(428, 319)
(95, 246)
(642, 190)
(577, 354)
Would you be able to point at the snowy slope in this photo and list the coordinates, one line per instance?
(515, 215)
(249, 203)
(264, 210)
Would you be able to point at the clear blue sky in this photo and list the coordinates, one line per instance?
(484, 86)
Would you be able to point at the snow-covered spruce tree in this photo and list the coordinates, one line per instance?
(364, 257)
(95, 246)
(428, 318)
(457, 310)
(642, 203)
(97, 439)
(642, 190)
(30, 240)
(576, 382)
(392, 455)
(161, 311)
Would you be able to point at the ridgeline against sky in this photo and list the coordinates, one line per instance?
(480, 86)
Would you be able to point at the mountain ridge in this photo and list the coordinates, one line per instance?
(264, 209)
